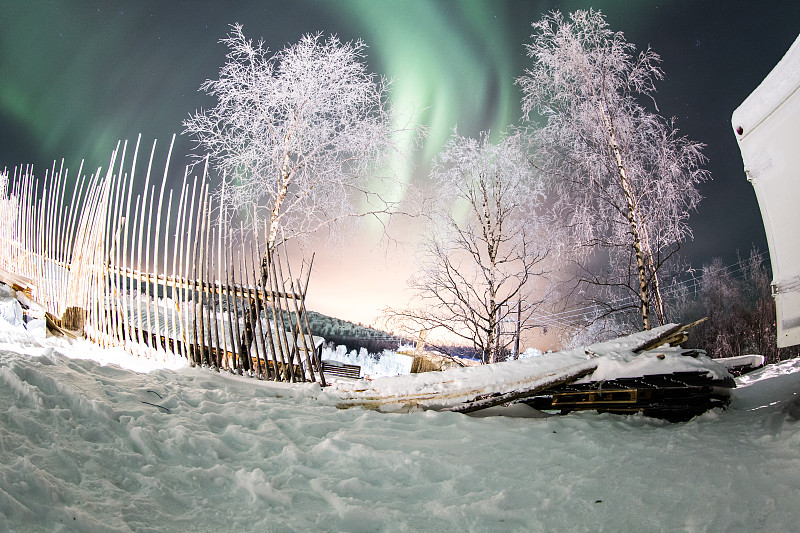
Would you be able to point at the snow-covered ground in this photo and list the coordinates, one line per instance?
(88, 446)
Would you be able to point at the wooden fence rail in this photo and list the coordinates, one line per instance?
(190, 285)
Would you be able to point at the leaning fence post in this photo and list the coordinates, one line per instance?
(257, 302)
(298, 322)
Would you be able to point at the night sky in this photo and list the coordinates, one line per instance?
(77, 76)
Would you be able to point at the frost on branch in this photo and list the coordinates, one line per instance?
(626, 180)
(486, 249)
(304, 134)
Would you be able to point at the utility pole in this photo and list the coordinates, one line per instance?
(519, 325)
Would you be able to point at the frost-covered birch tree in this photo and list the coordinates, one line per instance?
(486, 247)
(298, 133)
(626, 180)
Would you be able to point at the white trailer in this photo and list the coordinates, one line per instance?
(767, 127)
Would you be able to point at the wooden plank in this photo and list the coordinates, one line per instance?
(114, 252)
(237, 289)
(466, 389)
(200, 278)
(233, 347)
(118, 225)
(157, 235)
(220, 262)
(139, 252)
(148, 301)
(480, 403)
(340, 370)
(280, 327)
(299, 323)
(175, 251)
(674, 335)
(196, 359)
(235, 308)
(60, 240)
(185, 272)
(166, 296)
(246, 339)
(48, 239)
(129, 229)
(212, 309)
(280, 331)
(315, 355)
(133, 294)
(252, 314)
(257, 308)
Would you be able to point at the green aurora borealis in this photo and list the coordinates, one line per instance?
(76, 76)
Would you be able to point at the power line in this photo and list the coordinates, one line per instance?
(566, 320)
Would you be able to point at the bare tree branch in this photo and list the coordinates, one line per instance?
(305, 134)
(480, 259)
(625, 180)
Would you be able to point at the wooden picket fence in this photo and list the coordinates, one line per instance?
(118, 267)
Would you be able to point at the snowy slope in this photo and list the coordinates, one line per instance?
(86, 446)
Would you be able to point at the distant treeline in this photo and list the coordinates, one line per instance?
(740, 309)
(737, 302)
(353, 336)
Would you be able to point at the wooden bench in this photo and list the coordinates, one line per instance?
(341, 370)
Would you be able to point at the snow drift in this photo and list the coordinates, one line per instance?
(89, 446)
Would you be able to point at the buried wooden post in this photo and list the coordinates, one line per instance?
(298, 322)
(296, 352)
(204, 354)
(74, 319)
(270, 338)
(255, 319)
(196, 350)
(257, 310)
(247, 332)
(216, 307)
(304, 312)
(233, 307)
(280, 332)
(235, 322)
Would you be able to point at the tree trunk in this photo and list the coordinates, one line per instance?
(519, 327)
(658, 301)
(491, 339)
(283, 191)
(631, 215)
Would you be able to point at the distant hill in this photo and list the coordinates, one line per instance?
(324, 326)
(357, 336)
(353, 336)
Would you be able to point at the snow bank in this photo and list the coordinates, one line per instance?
(90, 446)
(530, 352)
